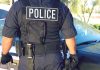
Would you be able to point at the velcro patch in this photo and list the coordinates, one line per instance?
(42, 13)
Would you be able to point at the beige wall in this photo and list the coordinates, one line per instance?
(4, 1)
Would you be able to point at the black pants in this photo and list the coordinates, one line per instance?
(51, 61)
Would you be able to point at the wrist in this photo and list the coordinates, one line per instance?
(5, 53)
(72, 53)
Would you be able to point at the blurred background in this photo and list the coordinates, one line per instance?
(87, 11)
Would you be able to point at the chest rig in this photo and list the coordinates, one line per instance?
(41, 31)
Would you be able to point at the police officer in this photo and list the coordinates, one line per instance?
(41, 35)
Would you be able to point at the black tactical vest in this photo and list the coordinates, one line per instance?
(41, 31)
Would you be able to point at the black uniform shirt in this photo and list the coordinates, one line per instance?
(11, 25)
(68, 29)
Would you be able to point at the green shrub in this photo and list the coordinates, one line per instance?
(97, 26)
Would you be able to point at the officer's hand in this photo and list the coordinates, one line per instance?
(6, 58)
(73, 62)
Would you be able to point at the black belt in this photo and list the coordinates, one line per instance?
(40, 49)
(47, 48)
(25, 49)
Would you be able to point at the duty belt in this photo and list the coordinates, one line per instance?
(28, 49)
(41, 49)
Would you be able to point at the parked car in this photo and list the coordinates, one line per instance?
(88, 46)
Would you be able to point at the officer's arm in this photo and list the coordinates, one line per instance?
(6, 44)
(10, 28)
(71, 44)
(69, 32)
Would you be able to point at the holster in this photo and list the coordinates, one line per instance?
(26, 50)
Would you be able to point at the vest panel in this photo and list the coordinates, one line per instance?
(32, 30)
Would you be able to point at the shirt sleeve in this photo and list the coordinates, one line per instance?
(11, 23)
(68, 30)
